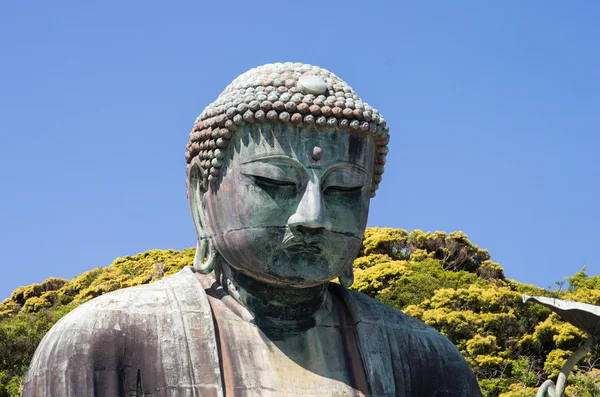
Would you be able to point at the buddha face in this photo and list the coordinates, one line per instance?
(291, 205)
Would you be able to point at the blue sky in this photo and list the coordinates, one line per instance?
(494, 111)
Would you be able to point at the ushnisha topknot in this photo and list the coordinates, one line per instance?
(283, 93)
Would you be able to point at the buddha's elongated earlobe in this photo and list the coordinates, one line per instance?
(204, 263)
(347, 277)
(204, 260)
(198, 257)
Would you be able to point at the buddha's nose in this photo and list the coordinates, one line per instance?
(310, 213)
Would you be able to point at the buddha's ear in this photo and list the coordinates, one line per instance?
(347, 276)
(203, 262)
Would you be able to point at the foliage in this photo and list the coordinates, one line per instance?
(452, 285)
(443, 279)
(585, 384)
(454, 251)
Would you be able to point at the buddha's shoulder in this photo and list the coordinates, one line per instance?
(414, 332)
(139, 326)
(136, 308)
(420, 358)
(372, 311)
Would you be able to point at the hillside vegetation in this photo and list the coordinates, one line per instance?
(443, 279)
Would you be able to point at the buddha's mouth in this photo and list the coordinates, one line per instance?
(311, 244)
(299, 247)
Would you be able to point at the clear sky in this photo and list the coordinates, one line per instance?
(493, 107)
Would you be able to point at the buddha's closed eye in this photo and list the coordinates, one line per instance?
(270, 182)
(343, 189)
(271, 175)
(345, 179)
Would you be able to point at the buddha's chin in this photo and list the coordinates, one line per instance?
(294, 269)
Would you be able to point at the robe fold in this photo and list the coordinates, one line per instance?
(159, 340)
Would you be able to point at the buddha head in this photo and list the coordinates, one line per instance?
(281, 170)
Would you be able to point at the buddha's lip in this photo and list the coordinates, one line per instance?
(303, 247)
(315, 245)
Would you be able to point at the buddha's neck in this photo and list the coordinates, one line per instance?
(273, 307)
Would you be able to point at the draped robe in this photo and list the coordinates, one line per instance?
(159, 340)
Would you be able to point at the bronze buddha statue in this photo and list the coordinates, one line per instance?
(281, 169)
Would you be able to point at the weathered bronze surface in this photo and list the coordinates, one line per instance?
(281, 169)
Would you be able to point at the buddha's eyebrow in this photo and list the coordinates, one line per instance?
(345, 164)
(274, 159)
